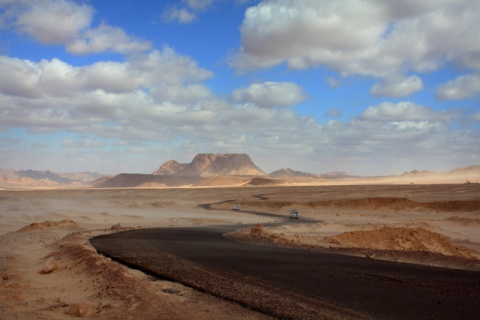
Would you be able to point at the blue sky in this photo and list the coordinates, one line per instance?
(368, 87)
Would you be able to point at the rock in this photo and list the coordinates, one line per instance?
(49, 266)
(116, 226)
(81, 310)
(257, 229)
(173, 291)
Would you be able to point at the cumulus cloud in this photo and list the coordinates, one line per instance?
(132, 117)
(397, 88)
(390, 134)
(270, 94)
(404, 111)
(157, 70)
(41, 20)
(361, 37)
(148, 93)
(158, 98)
(460, 88)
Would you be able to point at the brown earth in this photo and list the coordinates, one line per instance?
(402, 239)
(49, 270)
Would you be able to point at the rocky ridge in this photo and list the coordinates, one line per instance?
(208, 165)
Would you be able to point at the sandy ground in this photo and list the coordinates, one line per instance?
(49, 270)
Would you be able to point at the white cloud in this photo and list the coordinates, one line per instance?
(270, 94)
(18, 77)
(181, 94)
(131, 119)
(131, 100)
(404, 111)
(475, 116)
(307, 27)
(180, 15)
(186, 13)
(397, 88)
(460, 88)
(42, 19)
(157, 70)
(168, 67)
(64, 22)
(159, 99)
(106, 38)
(365, 37)
(156, 103)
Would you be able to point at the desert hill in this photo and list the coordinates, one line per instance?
(217, 170)
(336, 175)
(287, 172)
(209, 170)
(208, 165)
(470, 174)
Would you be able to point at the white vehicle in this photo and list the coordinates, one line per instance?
(236, 207)
(294, 214)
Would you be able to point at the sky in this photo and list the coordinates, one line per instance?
(367, 87)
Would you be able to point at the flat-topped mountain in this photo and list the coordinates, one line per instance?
(209, 164)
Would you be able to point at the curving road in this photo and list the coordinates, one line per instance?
(295, 284)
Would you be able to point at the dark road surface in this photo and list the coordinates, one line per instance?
(295, 284)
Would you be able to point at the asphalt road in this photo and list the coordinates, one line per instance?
(296, 284)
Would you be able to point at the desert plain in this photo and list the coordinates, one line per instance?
(49, 269)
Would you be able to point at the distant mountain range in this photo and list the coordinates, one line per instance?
(230, 169)
(35, 178)
(293, 173)
(290, 173)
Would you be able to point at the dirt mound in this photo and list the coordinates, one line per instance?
(264, 182)
(404, 239)
(260, 234)
(398, 204)
(49, 225)
(365, 203)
